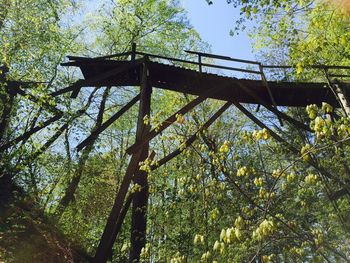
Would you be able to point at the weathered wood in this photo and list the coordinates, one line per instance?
(122, 214)
(77, 58)
(119, 223)
(273, 109)
(140, 200)
(289, 119)
(107, 236)
(262, 125)
(263, 78)
(165, 124)
(342, 98)
(107, 123)
(95, 80)
(191, 139)
(208, 55)
(294, 150)
(170, 120)
(48, 143)
(195, 83)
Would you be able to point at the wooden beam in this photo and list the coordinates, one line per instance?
(119, 223)
(170, 120)
(262, 125)
(107, 123)
(140, 201)
(122, 214)
(49, 142)
(263, 78)
(94, 81)
(272, 109)
(289, 119)
(190, 140)
(165, 124)
(108, 236)
(294, 150)
(102, 252)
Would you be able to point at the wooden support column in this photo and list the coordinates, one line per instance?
(114, 219)
(140, 200)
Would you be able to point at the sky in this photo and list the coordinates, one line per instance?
(214, 22)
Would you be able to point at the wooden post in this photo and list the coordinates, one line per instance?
(139, 219)
(140, 200)
(133, 52)
(109, 231)
(200, 63)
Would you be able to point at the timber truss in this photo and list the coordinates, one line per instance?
(159, 72)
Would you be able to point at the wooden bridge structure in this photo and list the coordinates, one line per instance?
(152, 72)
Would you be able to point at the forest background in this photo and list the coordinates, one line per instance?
(236, 195)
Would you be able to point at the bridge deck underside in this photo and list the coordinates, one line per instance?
(188, 81)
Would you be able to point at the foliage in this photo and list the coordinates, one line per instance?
(234, 195)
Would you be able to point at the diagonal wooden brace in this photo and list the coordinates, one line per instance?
(273, 109)
(109, 230)
(190, 140)
(121, 217)
(165, 124)
(107, 123)
(170, 120)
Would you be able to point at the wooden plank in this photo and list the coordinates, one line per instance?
(107, 123)
(194, 83)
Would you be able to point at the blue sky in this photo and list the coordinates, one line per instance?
(213, 23)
